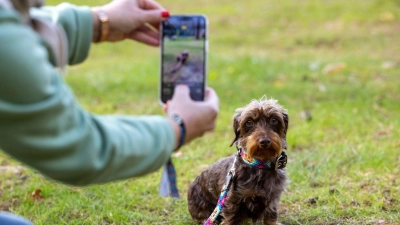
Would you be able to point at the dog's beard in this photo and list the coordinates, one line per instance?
(254, 150)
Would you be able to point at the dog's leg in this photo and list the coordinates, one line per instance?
(233, 212)
(271, 222)
(233, 220)
(271, 217)
(199, 204)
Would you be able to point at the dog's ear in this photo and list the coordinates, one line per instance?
(286, 121)
(236, 125)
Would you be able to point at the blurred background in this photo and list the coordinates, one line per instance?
(334, 64)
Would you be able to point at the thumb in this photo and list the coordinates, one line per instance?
(181, 92)
(154, 16)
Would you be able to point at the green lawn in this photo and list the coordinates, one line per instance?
(335, 66)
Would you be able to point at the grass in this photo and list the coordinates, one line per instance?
(333, 64)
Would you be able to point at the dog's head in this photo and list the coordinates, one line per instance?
(260, 128)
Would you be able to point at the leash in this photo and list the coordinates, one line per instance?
(168, 185)
(279, 163)
(168, 180)
(222, 197)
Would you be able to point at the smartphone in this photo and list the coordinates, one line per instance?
(183, 55)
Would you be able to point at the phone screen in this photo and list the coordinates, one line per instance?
(183, 55)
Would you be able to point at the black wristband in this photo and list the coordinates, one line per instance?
(179, 121)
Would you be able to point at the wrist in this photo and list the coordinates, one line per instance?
(101, 26)
(180, 140)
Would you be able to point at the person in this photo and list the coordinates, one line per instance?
(41, 123)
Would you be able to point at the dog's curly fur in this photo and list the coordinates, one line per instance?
(260, 128)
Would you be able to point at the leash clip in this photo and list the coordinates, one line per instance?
(227, 181)
(230, 175)
(281, 161)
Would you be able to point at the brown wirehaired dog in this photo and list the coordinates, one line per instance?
(259, 171)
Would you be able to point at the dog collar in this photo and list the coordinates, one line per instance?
(278, 163)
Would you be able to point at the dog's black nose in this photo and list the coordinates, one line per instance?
(264, 142)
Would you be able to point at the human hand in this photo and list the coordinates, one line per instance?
(133, 19)
(198, 117)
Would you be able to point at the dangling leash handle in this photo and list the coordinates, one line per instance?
(222, 197)
(168, 185)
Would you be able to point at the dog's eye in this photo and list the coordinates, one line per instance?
(249, 123)
(273, 121)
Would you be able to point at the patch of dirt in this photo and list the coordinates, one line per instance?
(8, 205)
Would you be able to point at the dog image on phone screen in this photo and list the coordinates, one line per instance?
(183, 55)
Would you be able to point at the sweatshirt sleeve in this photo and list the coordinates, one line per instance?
(77, 22)
(42, 125)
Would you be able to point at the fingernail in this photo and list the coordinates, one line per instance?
(165, 14)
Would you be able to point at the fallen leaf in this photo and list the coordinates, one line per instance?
(36, 195)
(334, 68)
(383, 133)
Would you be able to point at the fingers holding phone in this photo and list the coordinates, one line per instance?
(199, 117)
